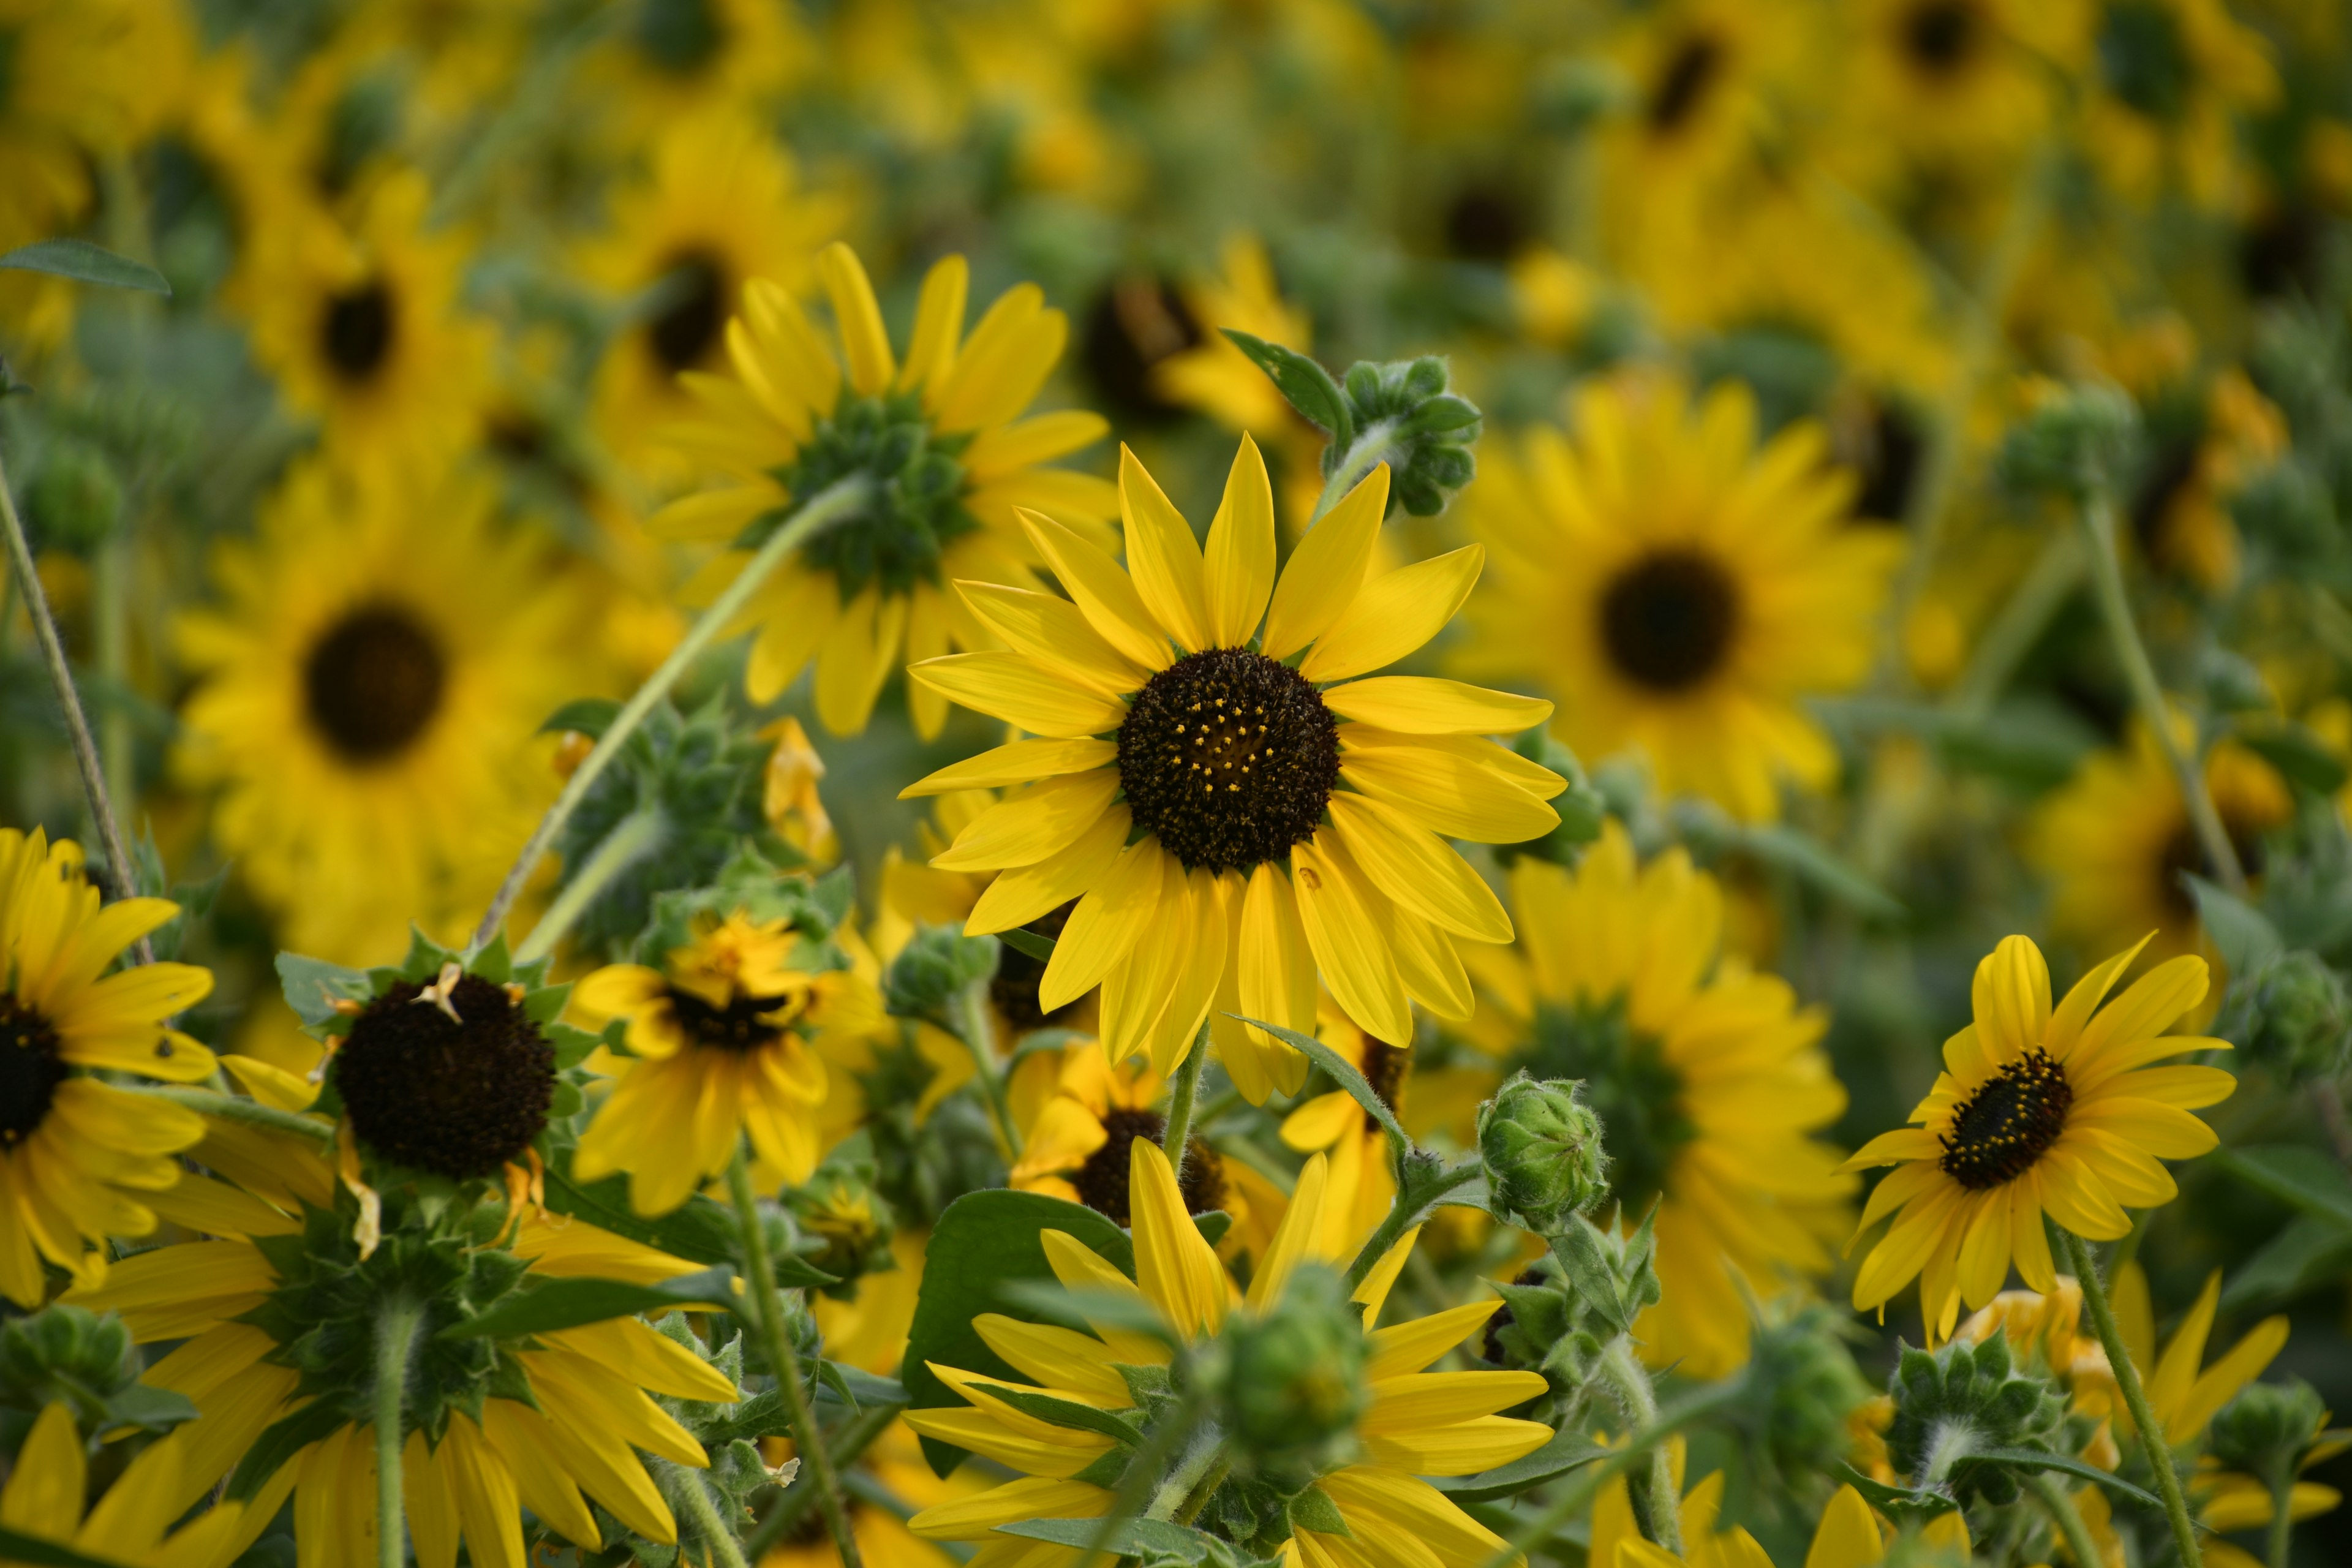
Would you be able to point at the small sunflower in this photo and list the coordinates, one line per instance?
(1957, 84)
(718, 206)
(1076, 1148)
(674, 58)
(2169, 79)
(1680, 589)
(941, 432)
(1416, 1423)
(726, 1035)
(133, 1522)
(1235, 811)
(2180, 512)
(78, 1155)
(367, 691)
(2037, 1111)
(1847, 1535)
(360, 323)
(1709, 1080)
(2116, 839)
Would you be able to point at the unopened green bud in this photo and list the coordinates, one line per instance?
(1581, 807)
(1964, 1400)
(2269, 1428)
(2078, 439)
(65, 1352)
(1801, 1390)
(1424, 431)
(841, 1210)
(1541, 1147)
(2302, 1019)
(934, 967)
(1292, 1382)
(75, 498)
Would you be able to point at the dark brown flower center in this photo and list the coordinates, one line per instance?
(457, 1097)
(2008, 1124)
(373, 682)
(30, 1070)
(689, 326)
(356, 330)
(1683, 84)
(1014, 990)
(1667, 621)
(745, 1024)
(1385, 1068)
(1102, 1180)
(1228, 757)
(1940, 35)
(2185, 852)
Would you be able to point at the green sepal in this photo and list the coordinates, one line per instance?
(1900, 1504)
(1306, 386)
(1105, 1471)
(589, 716)
(571, 1303)
(1067, 1413)
(1312, 1509)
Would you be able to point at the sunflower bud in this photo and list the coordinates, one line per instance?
(1427, 431)
(2302, 1019)
(2268, 1429)
(1581, 807)
(1800, 1394)
(1960, 1401)
(2076, 439)
(934, 966)
(1292, 1381)
(75, 499)
(839, 1207)
(1541, 1146)
(63, 1352)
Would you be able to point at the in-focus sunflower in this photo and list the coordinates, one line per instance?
(1076, 1147)
(2037, 1111)
(133, 1522)
(1679, 589)
(265, 1314)
(1414, 1423)
(1709, 1080)
(78, 1155)
(1235, 811)
(720, 205)
(2169, 79)
(726, 1037)
(368, 688)
(360, 323)
(943, 435)
(2116, 839)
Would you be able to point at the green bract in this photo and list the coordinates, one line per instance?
(900, 537)
(1954, 1405)
(1541, 1146)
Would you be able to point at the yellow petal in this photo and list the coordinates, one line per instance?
(1163, 557)
(865, 345)
(1106, 595)
(938, 324)
(1239, 567)
(1050, 628)
(1026, 892)
(2011, 997)
(1107, 924)
(1327, 568)
(1026, 827)
(1343, 928)
(1394, 615)
(1416, 869)
(1459, 793)
(1275, 962)
(1425, 705)
(1022, 693)
(1175, 1265)
(1459, 1449)
(1847, 1536)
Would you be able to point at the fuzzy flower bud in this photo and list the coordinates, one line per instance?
(2075, 440)
(2302, 1019)
(2269, 1428)
(937, 964)
(1802, 1389)
(1541, 1146)
(1292, 1382)
(1427, 429)
(1960, 1401)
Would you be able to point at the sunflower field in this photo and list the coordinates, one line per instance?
(1175, 783)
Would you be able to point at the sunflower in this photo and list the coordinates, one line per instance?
(1955, 84)
(1363, 1174)
(2169, 79)
(209, 160)
(131, 1525)
(1168, 803)
(360, 323)
(1709, 1080)
(1219, 380)
(2179, 514)
(2037, 1111)
(1847, 1535)
(1680, 589)
(718, 206)
(2116, 840)
(1414, 1423)
(674, 58)
(1076, 1147)
(726, 1035)
(947, 422)
(253, 1312)
(367, 693)
(79, 1155)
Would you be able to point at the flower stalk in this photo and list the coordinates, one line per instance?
(2063, 1514)
(1629, 1382)
(395, 1340)
(2151, 1431)
(837, 501)
(1417, 1194)
(632, 838)
(980, 1039)
(1181, 1093)
(714, 1529)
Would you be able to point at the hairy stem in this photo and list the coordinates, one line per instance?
(84, 749)
(846, 1443)
(1414, 1201)
(1141, 1470)
(1180, 1483)
(980, 1039)
(1578, 1494)
(707, 1521)
(633, 838)
(1629, 1381)
(2151, 1431)
(2278, 1541)
(1372, 446)
(237, 1108)
(395, 1338)
(836, 502)
(806, 1436)
(1181, 1093)
(2098, 516)
(2017, 626)
(2060, 1507)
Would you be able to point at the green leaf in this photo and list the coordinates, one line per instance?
(1314, 1509)
(984, 1242)
(1134, 1538)
(589, 716)
(17, 1547)
(313, 987)
(2298, 753)
(2244, 938)
(1067, 1413)
(1586, 1262)
(2303, 1178)
(699, 1230)
(144, 1405)
(2039, 1459)
(1793, 852)
(1021, 939)
(1566, 1451)
(281, 1442)
(866, 1389)
(2310, 1248)
(1898, 1503)
(85, 263)
(1305, 385)
(1212, 1225)
(571, 1303)
(1344, 1074)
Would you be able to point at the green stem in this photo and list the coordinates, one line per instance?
(1181, 1093)
(1142, 1468)
(707, 1518)
(2098, 517)
(836, 502)
(2151, 1431)
(85, 750)
(1180, 1483)
(2012, 632)
(844, 1444)
(1629, 1382)
(633, 838)
(111, 625)
(395, 1338)
(1370, 448)
(237, 1108)
(1205, 1488)
(786, 1361)
(980, 1039)
(1411, 1206)
(2066, 1517)
(1589, 1481)
(2278, 1550)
